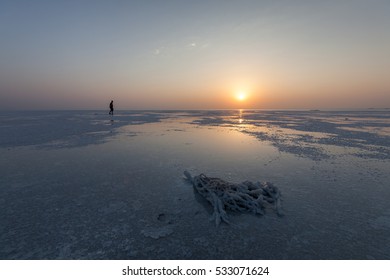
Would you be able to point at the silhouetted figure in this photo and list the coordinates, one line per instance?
(111, 108)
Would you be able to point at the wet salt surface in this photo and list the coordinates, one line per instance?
(78, 185)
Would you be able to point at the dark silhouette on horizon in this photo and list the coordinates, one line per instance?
(111, 108)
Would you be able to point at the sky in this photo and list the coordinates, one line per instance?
(275, 54)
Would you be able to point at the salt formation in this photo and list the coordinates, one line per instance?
(242, 197)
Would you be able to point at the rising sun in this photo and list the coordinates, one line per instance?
(241, 95)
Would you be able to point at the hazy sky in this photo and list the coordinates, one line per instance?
(194, 54)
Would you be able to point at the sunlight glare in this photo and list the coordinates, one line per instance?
(241, 96)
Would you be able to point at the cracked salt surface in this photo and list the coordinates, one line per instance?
(76, 185)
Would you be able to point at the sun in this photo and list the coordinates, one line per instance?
(241, 95)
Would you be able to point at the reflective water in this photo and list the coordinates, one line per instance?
(81, 185)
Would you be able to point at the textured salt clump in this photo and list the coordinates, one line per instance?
(243, 197)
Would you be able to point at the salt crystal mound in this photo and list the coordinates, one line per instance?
(242, 197)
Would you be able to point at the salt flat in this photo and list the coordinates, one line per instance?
(85, 185)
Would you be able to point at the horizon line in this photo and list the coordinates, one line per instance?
(220, 109)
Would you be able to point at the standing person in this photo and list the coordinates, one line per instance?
(111, 108)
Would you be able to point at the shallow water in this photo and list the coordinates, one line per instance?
(80, 185)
